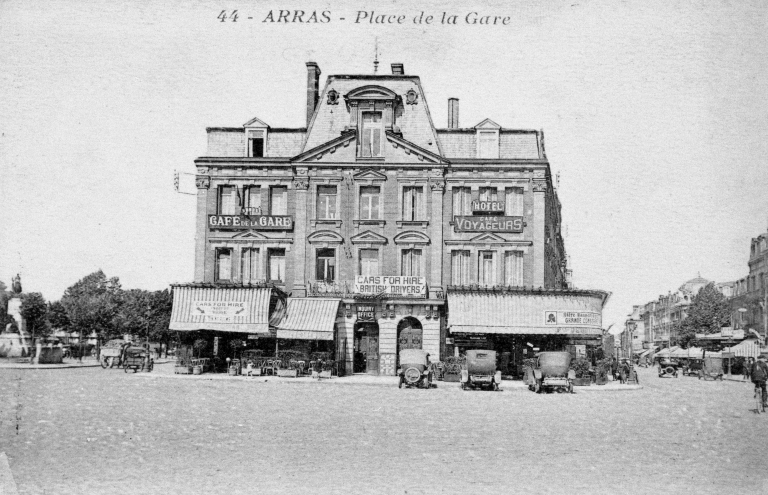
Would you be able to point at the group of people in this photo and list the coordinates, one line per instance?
(620, 371)
(757, 371)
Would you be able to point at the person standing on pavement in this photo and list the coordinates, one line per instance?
(759, 373)
(747, 367)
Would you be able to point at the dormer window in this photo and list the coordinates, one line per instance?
(256, 143)
(371, 134)
(488, 139)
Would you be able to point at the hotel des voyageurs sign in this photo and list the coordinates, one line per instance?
(485, 218)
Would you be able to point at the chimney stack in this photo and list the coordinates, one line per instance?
(313, 89)
(398, 69)
(453, 113)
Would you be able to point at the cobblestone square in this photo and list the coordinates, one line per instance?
(90, 430)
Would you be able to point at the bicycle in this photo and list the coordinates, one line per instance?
(759, 405)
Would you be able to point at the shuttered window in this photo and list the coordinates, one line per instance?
(276, 265)
(462, 201)
(413, 197)
(459, 267)
(249, 264)
(513, 268)
(224, 264)
(278, 201)
(411, 263)
(227, 200)
(369, 262)
(513, 201)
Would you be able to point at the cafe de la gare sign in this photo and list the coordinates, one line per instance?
(488, 223)
(392, 286)
(253, 222)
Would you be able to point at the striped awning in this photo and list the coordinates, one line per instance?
(524, 313)
(665, 352)
(747, 348)
(309, 318)
(226, 309)
(691, 352)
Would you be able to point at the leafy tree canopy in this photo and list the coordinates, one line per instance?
(57, 316)
(708, 312)
(35, 310)
(93, 303)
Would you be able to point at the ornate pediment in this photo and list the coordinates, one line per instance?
(369, 174)
(411, 237)
(325, 236)
(371, 92)
(488, 237)
(368, 237)
(250, 235)
(488, 124)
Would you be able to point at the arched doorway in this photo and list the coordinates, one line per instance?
(409, 334)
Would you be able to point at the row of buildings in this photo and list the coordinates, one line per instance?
(369, 230)
(654, 323)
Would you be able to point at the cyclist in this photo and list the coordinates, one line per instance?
(759, 374)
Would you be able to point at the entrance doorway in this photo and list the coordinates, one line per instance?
(366, 359)
(409, 334)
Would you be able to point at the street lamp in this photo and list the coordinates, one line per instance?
(631, 326)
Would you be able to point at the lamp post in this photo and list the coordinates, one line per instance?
(631, 326)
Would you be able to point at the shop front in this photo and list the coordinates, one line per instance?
(217, 321)
(517, 323)
(307, 333)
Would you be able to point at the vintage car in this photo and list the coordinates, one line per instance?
(552, 372)
(668, 368)
(480, 370)
(414, 369)
(712, 369)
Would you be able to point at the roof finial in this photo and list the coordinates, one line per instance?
(376, 56)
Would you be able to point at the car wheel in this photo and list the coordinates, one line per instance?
(104, 363)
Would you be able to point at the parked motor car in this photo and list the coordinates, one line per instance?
(414, 369)
(480, 370)
(668, 368)
(552, 372)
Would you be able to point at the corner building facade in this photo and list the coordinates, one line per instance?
(370, 204)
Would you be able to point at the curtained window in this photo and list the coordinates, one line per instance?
(278, 200)
(249, 264)
(459, 267)
(413, 197)
(462, 201)
(486, 270)
(223, 264)
(227, 200)
(369, 262)
(411, 263)
(514, 202)
(369, 203)
(513, 268)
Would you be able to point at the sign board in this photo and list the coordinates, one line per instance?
(449, 341)
(467, 340)
(488, 224)
(572, 318)
(727, 355)
(726, 332)
(401, 286)
(366, 312)
(253, 336)
(220, 311)
(487, 206)
(250, 222)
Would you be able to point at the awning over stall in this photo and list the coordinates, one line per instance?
(240, 309)
(525, 311)
(691, 352)
(309, 318)
(747, 348)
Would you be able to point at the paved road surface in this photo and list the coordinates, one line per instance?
(104, 431)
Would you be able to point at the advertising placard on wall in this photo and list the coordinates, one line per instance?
(220, 311)
(488, 224)
(572, 318)
(487, 206)
(366, 312)
(402, 286)
(250, 222)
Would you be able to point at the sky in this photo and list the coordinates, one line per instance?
(654, 113)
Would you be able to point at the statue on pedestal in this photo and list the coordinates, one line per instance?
(16, 284)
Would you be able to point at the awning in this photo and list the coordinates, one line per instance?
(691, 352)
(526, 312)
(226, 309)
(747, 348)
(665, 352)
(309, 318)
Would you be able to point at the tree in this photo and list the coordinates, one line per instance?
(35, 310)
(708, 312)
(5, 318)
(58, 317)
(92, 304)
(686, 334)
(143, 311)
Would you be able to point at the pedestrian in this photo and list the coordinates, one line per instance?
(614, 368)
(759, 373)
(748, 368)
(625, 370)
